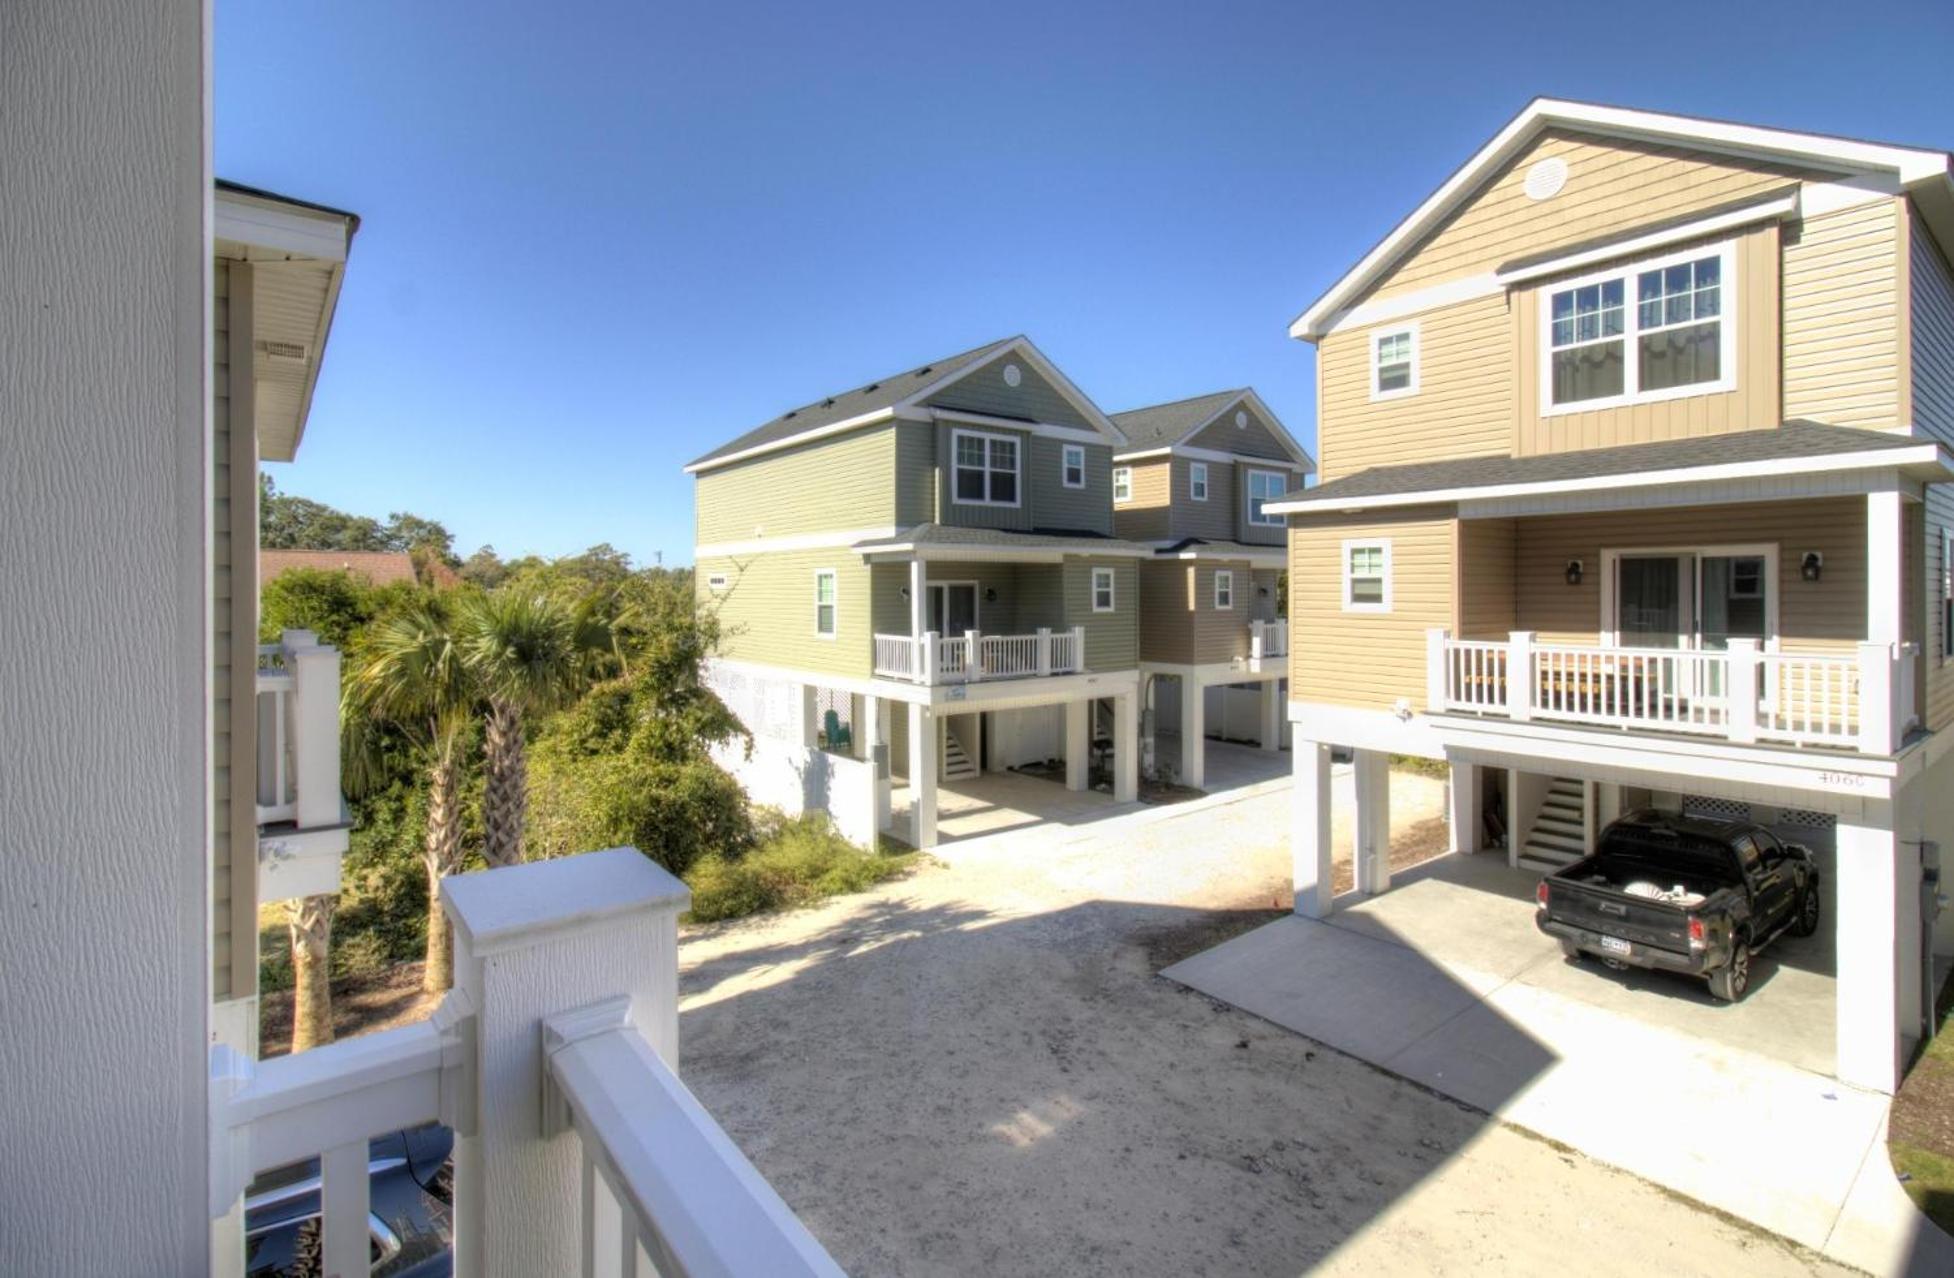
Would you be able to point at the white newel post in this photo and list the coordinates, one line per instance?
(1876, 719)
(1078, 649)
(1435, 681)
(973, 655)
(1740, 698)
(930, 671)
(1255, 641)
(917, 600)
(315, 728)
(1044, 650)
(1309, 831)
(536, 941)
(1519, 675)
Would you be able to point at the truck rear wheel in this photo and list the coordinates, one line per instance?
(1805, 922)
(1729, 982)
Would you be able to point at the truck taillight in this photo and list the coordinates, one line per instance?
(1695, 933)
(1540, 894)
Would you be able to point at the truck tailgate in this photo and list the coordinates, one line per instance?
(1612, 913)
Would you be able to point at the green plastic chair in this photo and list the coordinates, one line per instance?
(839, 737)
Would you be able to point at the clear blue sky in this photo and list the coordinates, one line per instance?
(600, 238)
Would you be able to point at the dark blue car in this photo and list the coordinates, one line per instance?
(410, 1226)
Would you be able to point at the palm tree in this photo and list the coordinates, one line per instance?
(309, 920)
(530, 654)
(409, 677)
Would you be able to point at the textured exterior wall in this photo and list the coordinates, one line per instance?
(1254, 437)
(767, 609)
(843, 482)
(1841, 317)
(1368, 659)
(104, 366)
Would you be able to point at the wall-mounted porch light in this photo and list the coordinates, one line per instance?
(905, 592)
(1573, 572)
(990, 595)
(1812, 567)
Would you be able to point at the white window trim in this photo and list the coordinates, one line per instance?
(1367, 543)
(1377, 339)
(834, 579)
(1197, 474)
(1610, 637)
(1727, 318)
(1017, 444)
(1066, 453)
(1226, 575)
(1112, 587)
(1248, 498)
(1122, 483)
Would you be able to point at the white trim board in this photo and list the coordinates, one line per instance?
(282, 228)
(1717, 493)
(1299, 457)
(1784, 206)
(1215, 455)
(843, 538)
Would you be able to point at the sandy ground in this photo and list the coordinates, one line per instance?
(976, 1070)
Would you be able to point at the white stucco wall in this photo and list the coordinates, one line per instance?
(104, 963)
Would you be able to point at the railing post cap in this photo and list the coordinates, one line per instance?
(515, 907)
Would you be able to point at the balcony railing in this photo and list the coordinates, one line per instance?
(298, 732)
(1268, 639)
(974, 656)
(585, 968)
(1861, 702)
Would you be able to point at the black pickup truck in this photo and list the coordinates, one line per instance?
(1682, 894)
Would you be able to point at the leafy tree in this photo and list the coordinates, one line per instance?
(484, 568)
(411, 533)
(331, 602)
(288, 522)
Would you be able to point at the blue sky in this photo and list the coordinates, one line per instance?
(600, 238)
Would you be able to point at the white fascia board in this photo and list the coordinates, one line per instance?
(1926, 455)
(843, 539)
(1248, 396)
(1771, 210)
(1910, 164)
(259, 223)
(1102, 424)
(1216, 455)
(1052, 430)
(1304, 461)
(774, 446)
(1383, 310)
(903, 552)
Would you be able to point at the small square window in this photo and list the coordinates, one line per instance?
(824, 603)
(1224, 589)
(1102, 589)
(1122, 483)
(1072, 466)
(1367, 576)
(1197, 481)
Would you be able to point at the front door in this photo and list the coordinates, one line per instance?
(953, 607)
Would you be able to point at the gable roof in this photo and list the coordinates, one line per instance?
(1162, 426)
(1922, 172)
(891, 396)
(1796, 447)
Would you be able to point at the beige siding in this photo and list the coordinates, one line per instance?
(1751, 404)
(1930, 287)
(1940, 671)
(767, 610)
(1841, 317)
(1166, 623)
(1613, 185)
(1464, 406)
(1148, 516)
(1358, 658)
(1486, 605)
(845, 482)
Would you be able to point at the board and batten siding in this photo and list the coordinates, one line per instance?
(766, 610)
(1367, 659)
(1614, 185)
(1258, 534)
(1149, 514)
(915, 475)
(1939, 517)
(841, 483)
(1464, 406)
(1842, 317)
(1033, 399)
(221, 641)
(1751, 404)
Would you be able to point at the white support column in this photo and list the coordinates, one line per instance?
(1463, 811)
(314, 732)
(1885, 576)
(918, 601)
(922, 776)
(1865, 925)
(1309, 828)
(1370, 864)
(1194, 731)
(1608, 804)
(534, 941)
(873, 742)
(1078, 744)
(1126, 748)
(1270, 735)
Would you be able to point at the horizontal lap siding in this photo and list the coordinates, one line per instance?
(1112, 638)
(221, 639)
(1841, 317)
(1256, 438)
(837, 484)
(1148, 516)
(766, 612)
(1034, 398)
(1053, 505)
(1367, 659)
(1940, 671)
(1464, 406)
(1266, 580)
(1828, 615)
(1218, 635)
(1486, 601)
(1214, 518)
(1931, 339)
(1166, 612)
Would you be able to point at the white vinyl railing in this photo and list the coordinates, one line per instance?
(298, 732)
(1865, 701)
(973, 656)
(585, 964)
(1268, 638)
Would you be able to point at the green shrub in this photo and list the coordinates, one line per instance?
(675, 813)
(796, 861)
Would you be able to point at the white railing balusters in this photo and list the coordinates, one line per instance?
(974, 656)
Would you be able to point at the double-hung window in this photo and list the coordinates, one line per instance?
(985, 469)
(1102, 589)
(1072, 465)
(1122, 483)
(824, 603)
(1394, 362)
(1648, 331)
(1265, 486)
(1367, 576)
(1224, 589)
(1197, 480)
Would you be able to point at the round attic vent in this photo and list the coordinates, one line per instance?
(1546, 178)
(1011, 375)
(1241, 420)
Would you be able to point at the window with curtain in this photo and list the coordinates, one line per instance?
(1604, 346)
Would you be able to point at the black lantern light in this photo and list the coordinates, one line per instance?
(1573, 572)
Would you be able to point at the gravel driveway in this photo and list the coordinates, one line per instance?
(976, 1070)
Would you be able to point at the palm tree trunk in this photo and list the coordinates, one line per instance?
(441, 856)
(506, 790)
(310, 920)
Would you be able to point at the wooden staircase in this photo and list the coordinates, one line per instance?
(1559, 833)
(957, 764)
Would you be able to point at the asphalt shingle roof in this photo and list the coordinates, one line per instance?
(882, 393)
(1163, 424)
(1794, 439)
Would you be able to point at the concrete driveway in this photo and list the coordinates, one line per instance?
(1445, 981)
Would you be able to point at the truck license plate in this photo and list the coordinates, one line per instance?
(1615, 945)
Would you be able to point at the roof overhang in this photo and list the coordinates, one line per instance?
(1922, 172)
(1215, 455)
(1277, 556)
(1923, 461)
(1299, 458)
